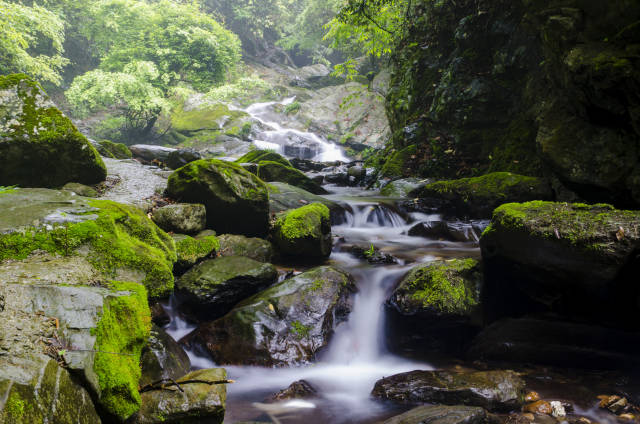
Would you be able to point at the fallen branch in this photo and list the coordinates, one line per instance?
(166, 383)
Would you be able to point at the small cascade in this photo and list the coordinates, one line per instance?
(375, 215)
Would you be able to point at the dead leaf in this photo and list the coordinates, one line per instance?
(620, 233)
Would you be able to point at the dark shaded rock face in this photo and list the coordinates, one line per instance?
(527, 87)
(283, 325)
(162, 358)
(254, 248)
(493, 390)
(441, 414)
(211, 288)
(579, 261)
(297, 390)
(181, 157)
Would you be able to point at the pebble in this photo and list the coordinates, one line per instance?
(532, 397)
(539, 407)
(557, 409)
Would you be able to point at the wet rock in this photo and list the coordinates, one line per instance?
(237, 201)
(211, 288)
(80, 189)
(181, 157)
(191, 251)
(39, 146)
(615, 404)
(492, 390)
(532, 397)
(402, 187)
(555, 342)
(254, 248)
(274, 171)
(478, 197)
(372, 254)
(256, 156)
(283, 197)
(585, 266)
(449, 230)
(182, 218)
(357, 172)
(162, 358)
(150, 153)
(159, 316)
(304, 232)
(441, 414)
(436, 307)
(283, 325)
(198, 401)
(539, 407)
(558, 409)
(113, 150)
(297, 390)
(306, 165)
(336, 177)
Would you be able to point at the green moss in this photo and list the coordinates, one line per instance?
(292, 108)
(497, 183)
(121, 334)
(15, 408)
(302, 222)
(114, 150)
(275, 171)
(120, 237)
(398, 163)
(442, 286)
(209, 117)
(191, 250)
(257, 155)
(300, 330)
(317, 285)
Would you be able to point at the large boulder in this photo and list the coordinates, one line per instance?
(256, 156)
(98, 240)
(39, 146)
(181, 157)
(284, 325)
(151, 152)
(162, 358)
(436, 306)
(191, 250)
(113, 150)
(304, 232)
(252, 247)
(275, 171)
(477, 197)
(181, 218)
(441, 414)
(492, 390)
(202, 397)
(237, 201)
(577, 260)
(213, 287)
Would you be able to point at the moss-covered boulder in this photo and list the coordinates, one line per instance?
(275, 171)
(477, 197)
(304, 232)
(252, 247)
(80, 189)
(492, 390)
(191, 251)
(112, 150)
(284, 196)
(398, 163)
(39, 146)
(436, 306)
(181, 218)
(256, 156)
(573, 259)
(402, 187)
(283, 325)
(162, 358)
(441, 414)
(213, 287)
(203, 398)
(237, 201)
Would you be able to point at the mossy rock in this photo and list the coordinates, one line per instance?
(211, 288)
(274, 171)
(112, 240)
(257, 156)
(162, 358)
(112, 150)
(402, 187)
(304, 232)
(477, 197)
(398, 163)
(39, 146)
(283, 197)
(441, 414)
(81, 189)
(237, 201)
(191, 250)
(251, 247)
(200, 125)
(181, 218)
(286, 324)
(573, 259)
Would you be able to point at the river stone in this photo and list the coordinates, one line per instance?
(182, 218)
(39, 146)
(191, 250)
(197, 403)
(43, 392)
(478, 197)
(237, 201)
(441, 414)
(576, 260)
(256, 156)
(251, 247)
(301, 389)
(80, 189)
(275, 171)
(150, 153)
(181, 157)
(304, 232)
(462, 231)
(113, 150)
(283, 197)
(492, 390)
(282, 326)
(211, 288)
(402, 187)
(162, 358)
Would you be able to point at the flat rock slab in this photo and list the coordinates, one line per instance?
(441, 414)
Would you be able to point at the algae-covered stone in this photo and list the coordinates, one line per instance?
(283, 325)
(106, 240)
(81, 189)
(39, 146)
(237, 201)
(162, 358)
(402, 187)
(305, 231)
(573, 259)
(284, 196)
(203, 398)
(441, 414)
(113, 150)
(191, 250)
(492, 390)
(181, 157)
(398, 164)
(182, 218)
(275, 171)
(477, 197)
(211, 288)
(254, 248)
(257, 156)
